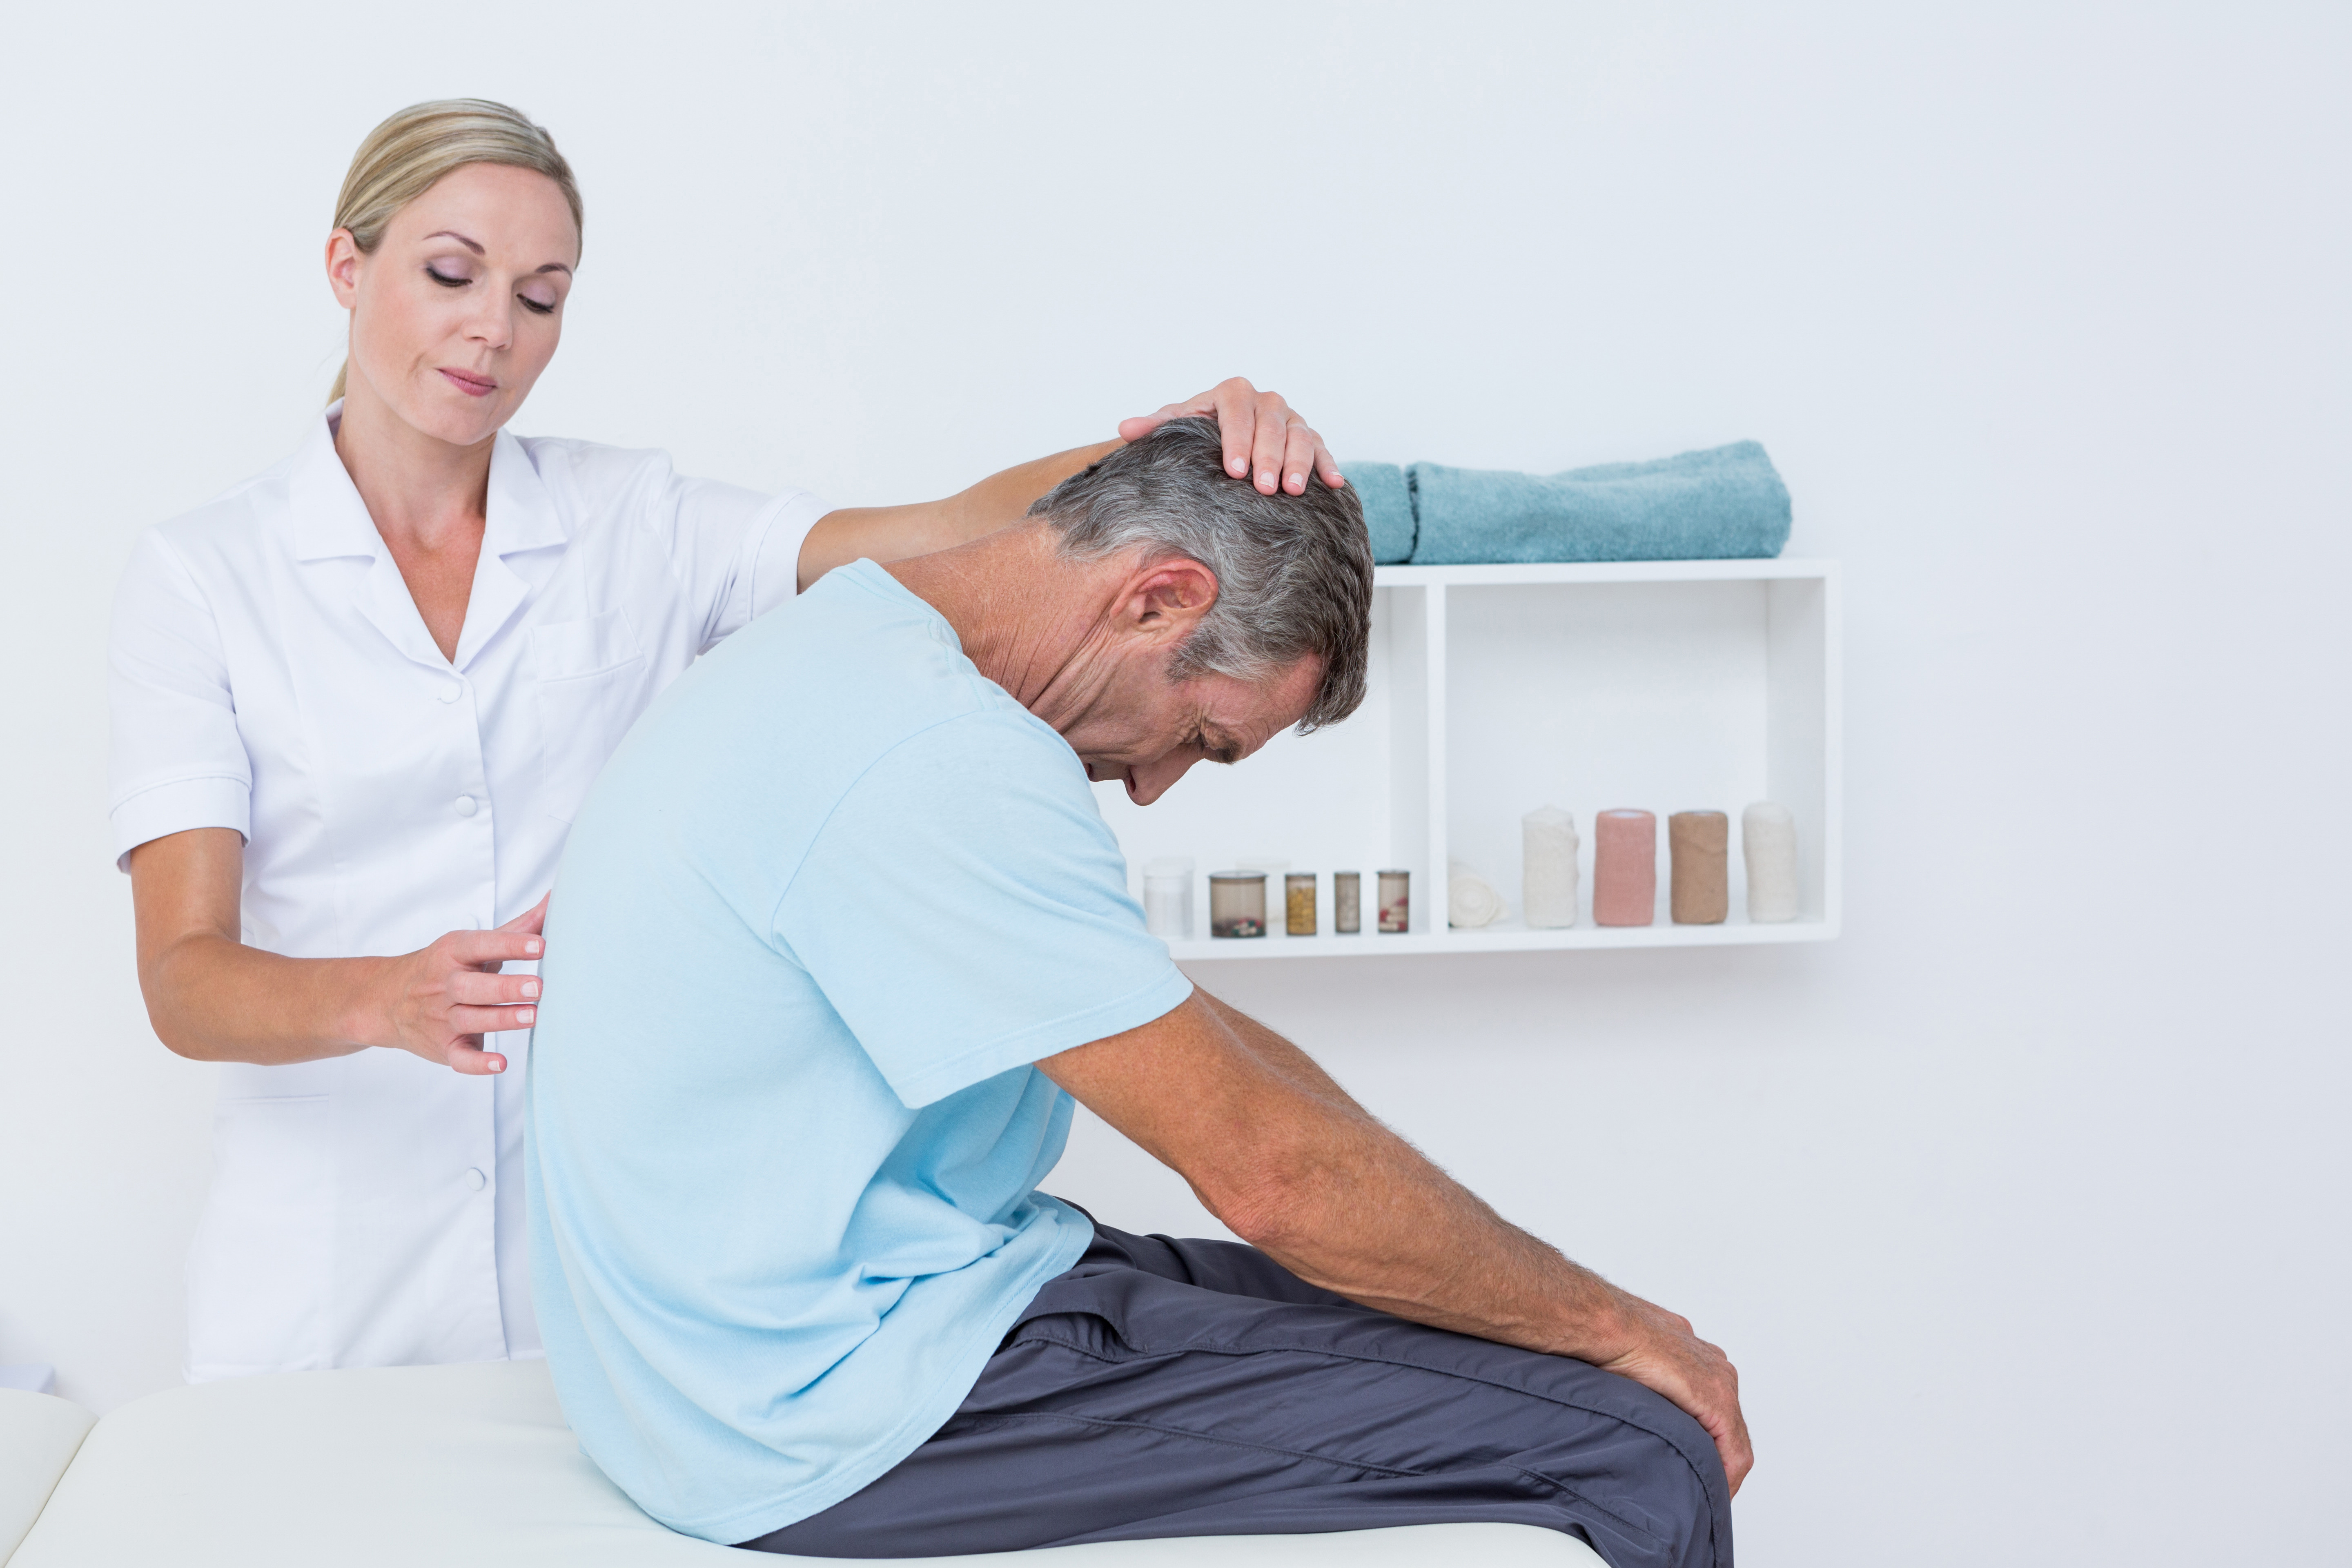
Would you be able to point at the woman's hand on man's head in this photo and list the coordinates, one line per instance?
(1264, 436)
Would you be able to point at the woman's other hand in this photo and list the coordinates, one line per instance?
(439, 1000)
(1264, 434)
(212, 998)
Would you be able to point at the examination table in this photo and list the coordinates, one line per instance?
(464, 1466)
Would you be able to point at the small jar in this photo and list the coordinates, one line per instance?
(1347, 902)
(1396, 902)
(1236, 903)
(1298, 903)
(1168, 897)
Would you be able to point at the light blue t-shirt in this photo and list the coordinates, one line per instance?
(830, 899)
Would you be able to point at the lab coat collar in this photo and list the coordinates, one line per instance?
(330, 521)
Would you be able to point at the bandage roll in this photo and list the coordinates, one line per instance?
(1471, 900)
(1548, 885)
(1767, 839)
(1700, 843)
(1624, 868)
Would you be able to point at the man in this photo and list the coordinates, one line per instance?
(831, 960)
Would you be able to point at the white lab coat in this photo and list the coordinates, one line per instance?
(270, 673)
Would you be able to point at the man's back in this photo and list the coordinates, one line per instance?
(830, 898)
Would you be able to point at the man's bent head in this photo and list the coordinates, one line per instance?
(1243, 613)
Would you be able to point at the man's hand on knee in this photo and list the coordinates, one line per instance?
(1662, 1354)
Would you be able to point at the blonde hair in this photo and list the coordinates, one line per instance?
(404, 156)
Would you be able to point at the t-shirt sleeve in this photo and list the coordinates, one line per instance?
(737, 552)
(964, 908)
(177, 760)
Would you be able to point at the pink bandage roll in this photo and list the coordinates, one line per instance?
(1624, 868)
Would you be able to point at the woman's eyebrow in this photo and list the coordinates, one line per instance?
(475, 247)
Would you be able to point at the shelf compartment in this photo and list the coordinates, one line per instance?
(1495, 689)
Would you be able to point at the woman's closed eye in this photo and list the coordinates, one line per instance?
(455, 280)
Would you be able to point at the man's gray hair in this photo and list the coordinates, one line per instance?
(1293, 573)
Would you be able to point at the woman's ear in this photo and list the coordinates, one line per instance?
(1165, 600)
(343, 268)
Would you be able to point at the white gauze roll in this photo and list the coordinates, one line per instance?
(1767, 841)
(1470, 899)
(1549, 885)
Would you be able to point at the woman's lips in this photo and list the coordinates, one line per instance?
(471, 385)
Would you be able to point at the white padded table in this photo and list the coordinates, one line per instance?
(464, 1467)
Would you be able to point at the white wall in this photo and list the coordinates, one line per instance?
(2021, 1207)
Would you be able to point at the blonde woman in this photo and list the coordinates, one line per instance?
(356, 702)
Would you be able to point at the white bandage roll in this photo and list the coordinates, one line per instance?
(1470, 899)
(1767, 841)
(1548, 883)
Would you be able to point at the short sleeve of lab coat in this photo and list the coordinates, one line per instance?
(177, 761)
(736, 551)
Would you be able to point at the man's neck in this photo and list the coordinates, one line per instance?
(1010, 599)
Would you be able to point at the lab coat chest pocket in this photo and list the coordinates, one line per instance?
(590, 676)
(259, 1270)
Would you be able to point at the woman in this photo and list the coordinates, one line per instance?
(356, 702)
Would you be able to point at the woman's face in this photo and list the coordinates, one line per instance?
(461, 306)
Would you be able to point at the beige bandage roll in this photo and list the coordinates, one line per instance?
(1700, 841)
(1547, 886)
(1768, 840)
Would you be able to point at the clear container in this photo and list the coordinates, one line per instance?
(1347, 902)
(1396, 902)
(1168, 897)
(1298, 903)
(1236, 903)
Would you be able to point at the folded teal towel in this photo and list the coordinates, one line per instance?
(1726, 503)
(1388, 509)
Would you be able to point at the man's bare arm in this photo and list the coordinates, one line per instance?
(1289, 1162)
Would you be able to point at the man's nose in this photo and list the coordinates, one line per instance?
(1147, 782)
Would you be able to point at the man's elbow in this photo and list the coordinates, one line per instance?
(1274, 1203)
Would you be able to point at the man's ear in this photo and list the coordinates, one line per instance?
(1165, 600)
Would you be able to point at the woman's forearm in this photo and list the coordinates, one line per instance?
(214, 999)
(888, 533)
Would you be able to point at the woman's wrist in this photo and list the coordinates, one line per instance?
(368, 991)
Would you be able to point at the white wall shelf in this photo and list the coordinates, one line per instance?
(1662, 685)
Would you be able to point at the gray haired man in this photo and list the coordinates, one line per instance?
(830, 957)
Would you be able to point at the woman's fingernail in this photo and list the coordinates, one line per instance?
(533, 948)
(1238, 467)
(525, 1014)
(530, 987)
(1297, 482)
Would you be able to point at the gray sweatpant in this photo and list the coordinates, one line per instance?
(1165, 1387)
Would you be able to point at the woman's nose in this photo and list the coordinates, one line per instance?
(491, 322)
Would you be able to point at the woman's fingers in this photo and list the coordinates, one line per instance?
(476, 949)
(1264, 440)
(466, 1055)
(1298, 451)
(473, 988)
(464, 1020)
(532, 920)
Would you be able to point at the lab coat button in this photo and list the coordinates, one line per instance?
(450, 692)
(475, 1180)
(465, 806)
